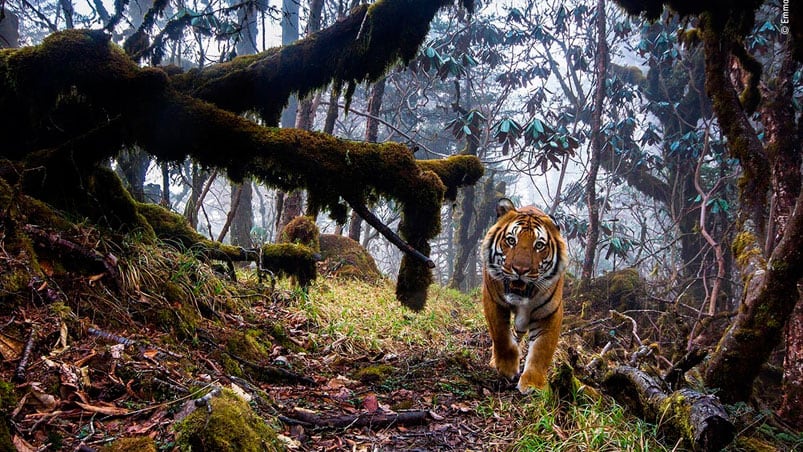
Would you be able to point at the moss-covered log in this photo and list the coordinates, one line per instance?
(85, 100)
(698, 418)
(285, 259)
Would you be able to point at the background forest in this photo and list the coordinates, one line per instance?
(664, 137)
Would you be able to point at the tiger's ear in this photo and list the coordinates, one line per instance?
(504, 206)
(555, 222)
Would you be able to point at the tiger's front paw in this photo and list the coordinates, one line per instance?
(507, 364)
(531, 380)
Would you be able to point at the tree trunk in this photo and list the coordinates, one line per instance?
(243, 215)
(132, 165)
(293, 201)
(770, 297)
(596, 147)
(768, 303)
(243, 220)
(165, 201)
(9, 30)
(198, 179)
(792, 403)
(292, 207)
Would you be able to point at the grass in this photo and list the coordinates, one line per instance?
(548, 424)
(369, 317)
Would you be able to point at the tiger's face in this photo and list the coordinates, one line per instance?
(524, 250)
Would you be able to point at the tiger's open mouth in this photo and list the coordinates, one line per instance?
(519, 287)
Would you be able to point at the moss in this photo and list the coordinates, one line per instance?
(619, 290)
(247, 345)
(746, 250)
(288, 259)
(301, 230)
(135, 444)
(181, 318)
(229, 426)
(376, 373)
(281, 336)
(8, 401)
(344, 257)
(455, 172)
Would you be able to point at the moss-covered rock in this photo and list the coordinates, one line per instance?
(344, 257)
(303, 231)
(135, 444)
(247, 345)
(375, 373)
(620, 290)
(229, 426)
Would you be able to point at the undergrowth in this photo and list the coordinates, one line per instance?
(367, 317)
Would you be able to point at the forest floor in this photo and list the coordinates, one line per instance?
(340, 367)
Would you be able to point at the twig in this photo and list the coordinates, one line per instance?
(53, 239)
(377, 224)
(230, 217)
(692, 358)
(19, 373)
(632, 322)
(110, 336)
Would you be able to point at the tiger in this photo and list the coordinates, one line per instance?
(524, 262)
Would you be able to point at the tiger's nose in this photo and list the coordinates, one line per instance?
(521, 269)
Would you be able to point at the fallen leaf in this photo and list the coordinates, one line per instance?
(435, 416)
(10, 348)
(22, 445)
(370, 403)
(45, 400)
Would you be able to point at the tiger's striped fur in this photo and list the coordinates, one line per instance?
(524, 261)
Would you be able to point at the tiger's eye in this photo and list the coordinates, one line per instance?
(539, 246)
(510, 240)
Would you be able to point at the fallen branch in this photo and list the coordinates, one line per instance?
(377, 224)
(108, 262)
(19, 373)
(698, 418)
(675, 375)
(272, 374)
(375, 419)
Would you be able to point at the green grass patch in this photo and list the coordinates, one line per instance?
(369, 317)
(549, 424)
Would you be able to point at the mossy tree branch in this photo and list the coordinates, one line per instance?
(86, 100)
(360, 47)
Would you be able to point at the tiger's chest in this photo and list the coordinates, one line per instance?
(529, 310)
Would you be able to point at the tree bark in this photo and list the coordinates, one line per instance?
(243, 220)
(791, 409)
(596, 147)
(770, 297)
(698, 418)
(760, 323)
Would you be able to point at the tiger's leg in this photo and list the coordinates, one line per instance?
(504, 351)
(540, 351)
